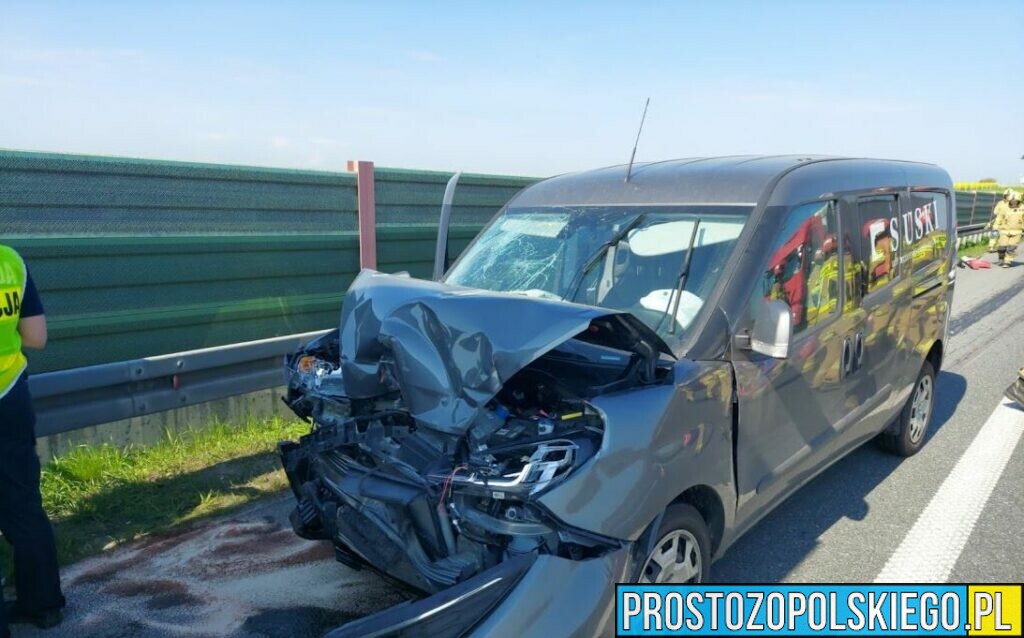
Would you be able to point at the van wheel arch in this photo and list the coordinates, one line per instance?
(706, 501)
(934, 356)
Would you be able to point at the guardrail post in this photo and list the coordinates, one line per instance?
(974, 205)
(367, 201)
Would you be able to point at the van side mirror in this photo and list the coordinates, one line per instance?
(773, 329)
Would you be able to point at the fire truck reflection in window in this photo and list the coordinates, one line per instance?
(804, 267)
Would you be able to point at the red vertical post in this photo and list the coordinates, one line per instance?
(367, 202)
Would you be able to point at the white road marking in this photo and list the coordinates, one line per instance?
(934, 543)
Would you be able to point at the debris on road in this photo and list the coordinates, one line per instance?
(974, 264)
(1016, 390)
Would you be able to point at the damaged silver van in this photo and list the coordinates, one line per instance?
(617, 379)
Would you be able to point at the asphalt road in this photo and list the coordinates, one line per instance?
(249, 576)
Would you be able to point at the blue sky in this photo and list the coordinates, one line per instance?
(522, 88)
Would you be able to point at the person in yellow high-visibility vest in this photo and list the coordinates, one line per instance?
(999, 207)
(1009, 222)
(23, 521)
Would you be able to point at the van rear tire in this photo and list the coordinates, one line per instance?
(911, 427)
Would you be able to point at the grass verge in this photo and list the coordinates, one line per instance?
(99, 496)
(973, 250)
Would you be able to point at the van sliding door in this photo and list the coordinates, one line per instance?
(789, 407)
(879, 303)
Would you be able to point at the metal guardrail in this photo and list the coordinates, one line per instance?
(969, 229)
(68, 400)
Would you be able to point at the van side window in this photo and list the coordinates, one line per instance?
(803, 268)
(879, 241)
(926, 226)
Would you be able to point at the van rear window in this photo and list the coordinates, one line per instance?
(926, 233)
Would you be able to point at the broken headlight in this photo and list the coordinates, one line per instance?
(315, 361)
(311, 371)
(308, 373)
(523, 470)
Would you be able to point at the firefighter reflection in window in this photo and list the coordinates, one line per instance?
(881, 261)
(927, 251)
(804, 272)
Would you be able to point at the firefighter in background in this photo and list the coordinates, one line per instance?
(1009, 222)
(22, 519)
(995, 213)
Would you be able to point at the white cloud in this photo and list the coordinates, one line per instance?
(280, 141)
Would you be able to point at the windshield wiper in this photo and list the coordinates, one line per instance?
(672, 307)
(574, 286)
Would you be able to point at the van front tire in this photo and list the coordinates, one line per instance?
(911, 427)
(682, 553)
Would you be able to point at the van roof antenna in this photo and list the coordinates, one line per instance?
(629, 169)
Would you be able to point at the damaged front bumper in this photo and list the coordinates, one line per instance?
(387, 523)
(427, 535)
(374, 517)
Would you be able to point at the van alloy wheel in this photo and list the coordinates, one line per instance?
(920, 408)
(906, 435)
(675, 559)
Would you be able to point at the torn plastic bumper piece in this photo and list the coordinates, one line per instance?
(561, 597)
(448, 614)
(525, 596)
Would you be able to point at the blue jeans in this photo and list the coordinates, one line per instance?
(23, 521)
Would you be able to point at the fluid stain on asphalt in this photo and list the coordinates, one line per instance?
(294, 621)
(161, 593)
(276, 538)
(105, 571)
(265, 526)
(161, 542)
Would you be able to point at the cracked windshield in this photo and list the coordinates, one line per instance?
(623, 258)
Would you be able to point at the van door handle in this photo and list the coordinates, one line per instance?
(847, 357)
(858, 351)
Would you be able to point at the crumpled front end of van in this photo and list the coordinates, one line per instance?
(439, 417)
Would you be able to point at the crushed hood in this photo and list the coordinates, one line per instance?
(449, 350)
